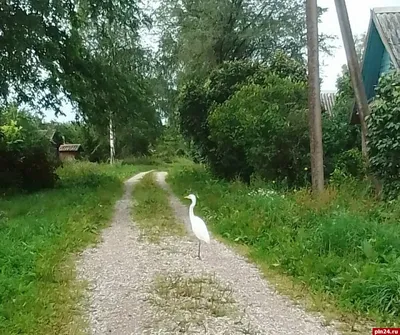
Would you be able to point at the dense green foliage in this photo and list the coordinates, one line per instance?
(342, 244)
(89, 53)
(199, 99)
(340, 139)
(199, 36)
(383, 134)
(263, 129)
(169, 145)
(342, 142)
(247, 118)
(196, 37)
(27, 158)
(55, 55)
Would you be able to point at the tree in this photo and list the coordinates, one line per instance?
(262, 128)
(86, 51)
(199, 98)
(33, 63)
(197, 36)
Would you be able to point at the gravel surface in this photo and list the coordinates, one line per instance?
(136, 287)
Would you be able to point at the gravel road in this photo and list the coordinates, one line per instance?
(136, 287)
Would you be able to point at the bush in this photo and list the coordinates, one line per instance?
(199, 98)
(27, 159)
(351, 162)
(230, 156)
(30, 169)
(263, 129)
(170, 145)
(341, 138)
(383, 134)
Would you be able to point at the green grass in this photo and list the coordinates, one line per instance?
(342, 247)
(152, 211)
(39, 234)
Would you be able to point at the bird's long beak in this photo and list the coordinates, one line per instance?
(187, 197)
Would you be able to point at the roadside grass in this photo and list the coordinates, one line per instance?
(189, 300)
(338, 253)
(152, 211)
(39, 235)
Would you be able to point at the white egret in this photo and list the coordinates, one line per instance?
(199, 228)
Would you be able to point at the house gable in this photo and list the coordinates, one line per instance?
(381, 52)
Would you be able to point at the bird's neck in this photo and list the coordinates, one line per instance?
(191, 212)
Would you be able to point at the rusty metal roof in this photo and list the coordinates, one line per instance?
(69, 147)
(328, 101)
(387, 21)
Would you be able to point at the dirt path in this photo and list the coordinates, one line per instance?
(141, 288)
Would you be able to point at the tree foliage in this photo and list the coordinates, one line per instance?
(197, 97)
(199, 35)
(87, 51)
(201, 98)
(342, 141)
(41, 44)
(27, 159)
(263, 129)
(383, 130)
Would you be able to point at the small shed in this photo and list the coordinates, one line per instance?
(68, 152)
(381, 51)
(328, 99)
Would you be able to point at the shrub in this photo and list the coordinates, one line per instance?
(383, 134)
(30, 169)
(198, 98)
(170, 145)
(339, 137)
(26, 157)
(263, 129)
(351, 162)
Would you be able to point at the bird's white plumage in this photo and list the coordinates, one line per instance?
(199, 228)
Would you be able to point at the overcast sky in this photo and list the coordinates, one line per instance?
(359, 14)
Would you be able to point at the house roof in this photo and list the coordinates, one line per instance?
(48, 133)
(70, 148)
(387, 21)
(328, 100)
(383, 39)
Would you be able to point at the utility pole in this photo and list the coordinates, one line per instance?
(355, 72)
(314, 99)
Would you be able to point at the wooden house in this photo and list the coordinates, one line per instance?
(69, 152)
(381, 51)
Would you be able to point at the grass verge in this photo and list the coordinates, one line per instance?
(152, 211)
(39, 234)
(340, 253)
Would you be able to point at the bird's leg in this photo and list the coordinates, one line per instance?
(199, 249)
